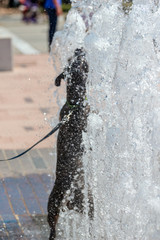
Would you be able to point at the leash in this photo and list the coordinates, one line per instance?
(62, 122)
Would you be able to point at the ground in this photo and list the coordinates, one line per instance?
(26, 110)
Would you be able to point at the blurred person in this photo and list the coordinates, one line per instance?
(29, 10)
(12, 3)
(53, 9)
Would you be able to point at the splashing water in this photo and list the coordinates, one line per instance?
(122, 143)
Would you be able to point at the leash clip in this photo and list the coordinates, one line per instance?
(66, 118)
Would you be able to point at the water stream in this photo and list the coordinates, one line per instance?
(122, 144)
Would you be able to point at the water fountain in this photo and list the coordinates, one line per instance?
(122, 156)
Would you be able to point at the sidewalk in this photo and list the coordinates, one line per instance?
(26, 107)
(25, 96)
(26, 100)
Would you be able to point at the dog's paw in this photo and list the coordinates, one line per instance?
(52, 234)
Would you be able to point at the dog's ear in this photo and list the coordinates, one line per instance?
(58, 79)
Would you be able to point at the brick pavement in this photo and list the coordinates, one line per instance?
(27, 108)
(23, 207)
(25, 102)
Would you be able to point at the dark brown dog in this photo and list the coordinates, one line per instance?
(69, 172)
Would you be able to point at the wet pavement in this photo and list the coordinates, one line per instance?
(24, 194)
(23, 207)
(26, 110)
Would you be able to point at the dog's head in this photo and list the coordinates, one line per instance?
(76, 75)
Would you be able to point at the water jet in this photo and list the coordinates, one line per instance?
(121, 159)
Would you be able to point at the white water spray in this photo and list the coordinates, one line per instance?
(122, 143)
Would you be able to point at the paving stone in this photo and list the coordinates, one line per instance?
(1, 154)
(3, 232)
(12, 187)
(47, 179)
(15, 165)
(5, 208)
(23, 207)
(49, 157)
(14, 230)
(27, 162)
(32, 82)
(4, 168)
(35, 227)
(37, 160)
(29, 197)
(39, 190)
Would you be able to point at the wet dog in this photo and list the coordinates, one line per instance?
(69, 173)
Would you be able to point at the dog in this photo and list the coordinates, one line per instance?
(69, 172)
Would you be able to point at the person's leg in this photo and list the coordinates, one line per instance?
(34, 11)
(52, 24)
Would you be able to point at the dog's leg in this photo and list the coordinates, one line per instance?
(54, 203)
(78, 202)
